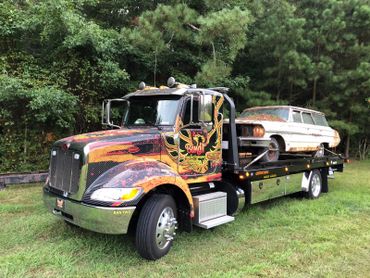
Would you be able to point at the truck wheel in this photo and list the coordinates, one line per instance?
(315, 186)
(156, 227)
(273, 153)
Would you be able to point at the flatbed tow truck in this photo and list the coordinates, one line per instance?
(171, 162)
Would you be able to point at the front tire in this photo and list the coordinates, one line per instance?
(320, 152)
(156, 227)
(315, 185)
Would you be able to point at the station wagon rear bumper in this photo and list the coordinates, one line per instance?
(104, 220)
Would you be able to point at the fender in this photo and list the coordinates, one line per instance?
(144, 173)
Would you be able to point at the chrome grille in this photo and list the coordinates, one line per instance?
(65, 167)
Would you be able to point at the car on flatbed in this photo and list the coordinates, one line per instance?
(291, 129)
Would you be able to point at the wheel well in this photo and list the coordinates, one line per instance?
(326, 145)
(183, 206)
(280, 141)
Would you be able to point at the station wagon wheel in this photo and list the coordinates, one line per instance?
(315, 185)
(156, 227)
(273, 153)
(320, 152)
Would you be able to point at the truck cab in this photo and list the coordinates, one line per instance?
(158, 141)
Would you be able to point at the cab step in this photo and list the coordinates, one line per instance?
(210, 210)
(216, 222)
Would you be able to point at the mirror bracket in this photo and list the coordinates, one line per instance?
(106, 112)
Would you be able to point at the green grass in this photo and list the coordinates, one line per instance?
(287, 237)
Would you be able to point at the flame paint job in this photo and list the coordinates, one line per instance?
(148, 157)
(144, 173)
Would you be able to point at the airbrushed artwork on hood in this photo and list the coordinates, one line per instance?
(142, 173)
(115, 145)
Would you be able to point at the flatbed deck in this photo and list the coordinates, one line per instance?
(290, 166)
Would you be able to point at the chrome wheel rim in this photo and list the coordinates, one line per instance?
(316, 185)
(165, 229)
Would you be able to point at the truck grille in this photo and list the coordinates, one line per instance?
(65, 167)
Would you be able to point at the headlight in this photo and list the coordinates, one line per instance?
(115, 194)
(258, 131)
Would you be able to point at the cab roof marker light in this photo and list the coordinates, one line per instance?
(142, 85)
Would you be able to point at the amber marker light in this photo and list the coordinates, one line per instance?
(247, 174)
(241, 177)
(286, 169)
(308, 166)
(130, 194)
(258, 131)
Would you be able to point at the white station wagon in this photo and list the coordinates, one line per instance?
(291, 129)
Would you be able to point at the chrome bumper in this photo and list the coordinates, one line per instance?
(98, 219)
(253, 142)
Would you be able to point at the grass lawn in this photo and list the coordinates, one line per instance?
(287, 237)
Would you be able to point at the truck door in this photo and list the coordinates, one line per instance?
(200, 142)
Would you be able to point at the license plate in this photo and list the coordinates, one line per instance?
(59, 203)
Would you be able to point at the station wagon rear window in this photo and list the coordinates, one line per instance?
(320, 119)
(267, 114)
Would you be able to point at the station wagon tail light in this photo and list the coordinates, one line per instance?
(115, 194)
(258, 131)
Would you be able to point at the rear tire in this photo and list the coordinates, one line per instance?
(315, 185)
(273, 153)
(156, 227)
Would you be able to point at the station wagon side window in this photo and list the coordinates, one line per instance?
(307, 118)
(320, 119)
(297, 116)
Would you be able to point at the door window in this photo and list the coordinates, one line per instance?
(307, 118)
(186, 118)
(297, 116)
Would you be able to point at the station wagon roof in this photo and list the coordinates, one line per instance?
(284, 107)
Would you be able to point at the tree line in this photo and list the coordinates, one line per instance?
(60, 58)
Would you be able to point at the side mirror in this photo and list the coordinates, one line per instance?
(205, 108)
(109, 116)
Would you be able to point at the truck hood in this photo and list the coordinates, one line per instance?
(111, 145)
(98, 152)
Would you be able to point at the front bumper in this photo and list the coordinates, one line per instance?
(256, 142)
(104, 220)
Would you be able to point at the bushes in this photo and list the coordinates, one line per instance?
(31, 119)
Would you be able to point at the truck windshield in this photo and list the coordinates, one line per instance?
(267, 114)
(151, 110)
